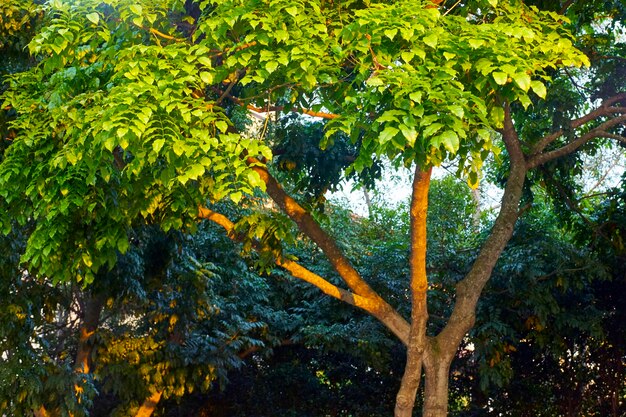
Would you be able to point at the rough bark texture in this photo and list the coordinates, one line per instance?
(149, 405)
(437, 370)
(405, 400)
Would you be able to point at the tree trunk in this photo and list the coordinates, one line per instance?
(405, 400)
(437, 370)
(92, 307)
(368, 202)
(149, 405)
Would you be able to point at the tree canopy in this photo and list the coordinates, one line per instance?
(134, 114)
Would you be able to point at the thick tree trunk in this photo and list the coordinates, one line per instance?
(405, 400)
(149, 405)
(437, 370)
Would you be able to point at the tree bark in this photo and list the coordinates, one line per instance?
(442, 348)
(92, 307)
(149, 405)
(405, 400)
(437, 372)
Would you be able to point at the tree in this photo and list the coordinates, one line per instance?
(133, 114)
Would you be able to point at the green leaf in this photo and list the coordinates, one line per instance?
(416, 96)
(431, 40)
(494, 3)
(179, 148)
(122, 244)
(457, 110)
(524, 99)
(292, 10)
(431, 129)
(136, 9)
(87, 259)
(221, 125)
(206, 61)
(450, 141)
(497, 116)
(271, 66)
(522, 80)
(196, 170)
(206, 77)
(236, 197)
(387, 134)
(93, 18)
(476, 43)
(409, 133)
(374, 81)
(500, 77)
(391, 33)
(539, 88)
(157, 145)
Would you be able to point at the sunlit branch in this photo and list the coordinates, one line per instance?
(295, 269)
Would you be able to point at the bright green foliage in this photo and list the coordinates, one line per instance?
(109, 131)
(122, 119)
(130, 115)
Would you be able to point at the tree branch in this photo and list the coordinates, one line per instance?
(600, 131)
(468, 290)
(308, 112)
(307, 224)
(566, 6)
(604, 110)
(384, 313)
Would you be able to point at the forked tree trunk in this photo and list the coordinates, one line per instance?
(435, 354)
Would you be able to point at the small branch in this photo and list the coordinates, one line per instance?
(163, 35)
(452, 8)
(468, 290)
(612, 136)
(600, 131)
(268, 109)
(566, 6)
(603, 110)
(226, 92)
